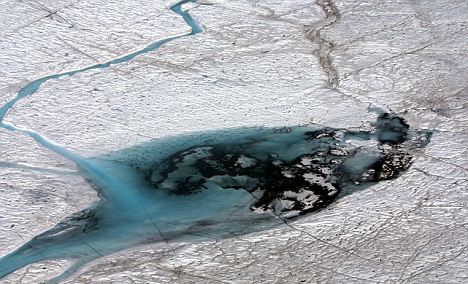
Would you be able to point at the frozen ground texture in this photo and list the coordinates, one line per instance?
(256, 63)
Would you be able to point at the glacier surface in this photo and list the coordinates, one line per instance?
(256, 63)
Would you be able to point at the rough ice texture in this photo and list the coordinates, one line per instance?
(253, 65)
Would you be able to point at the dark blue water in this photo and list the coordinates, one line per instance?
(211, 185)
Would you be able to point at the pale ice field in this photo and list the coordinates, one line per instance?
(233, 141)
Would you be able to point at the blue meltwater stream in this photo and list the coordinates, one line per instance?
(210, 185)
(116, 190)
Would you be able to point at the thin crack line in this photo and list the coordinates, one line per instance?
(404, 53)
(309, 234)
(76, 49)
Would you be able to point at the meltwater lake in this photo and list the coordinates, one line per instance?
(219, 184)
